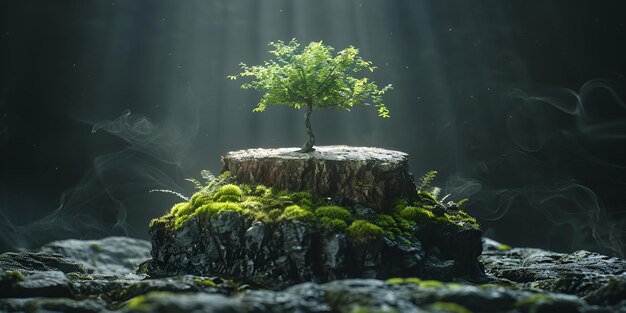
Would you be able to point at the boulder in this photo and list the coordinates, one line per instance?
(372, 177)
(597, 278)
(109, 256)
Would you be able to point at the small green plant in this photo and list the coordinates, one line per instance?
(313, 77)
(334, 223)
(334, 212)
(295, 212)
(228, 193)
(362, 231)
(426, 180)
(416, 214)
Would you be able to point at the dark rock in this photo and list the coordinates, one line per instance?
(55, 291)
(370, 176)
(53, 305)
(439, 210)
(112, 255)
(280, 254)
(597, 278)
(39, 261)
(194, 302)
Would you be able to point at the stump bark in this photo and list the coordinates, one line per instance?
(373, 177)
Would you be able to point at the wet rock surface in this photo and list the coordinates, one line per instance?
(597, 278)
(33, 287)
(112, 255)
(370, 176)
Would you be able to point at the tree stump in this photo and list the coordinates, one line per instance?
(373, 177)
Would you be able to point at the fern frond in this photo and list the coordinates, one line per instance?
(426, 180)
(178, 194)
(207, 176)
(435, 191)
(197, 184)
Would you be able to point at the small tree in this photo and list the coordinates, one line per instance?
(313, 77)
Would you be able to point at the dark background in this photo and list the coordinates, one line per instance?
(518, 104)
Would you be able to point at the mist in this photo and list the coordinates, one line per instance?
(520, 107)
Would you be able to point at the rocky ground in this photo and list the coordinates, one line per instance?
(99, 276)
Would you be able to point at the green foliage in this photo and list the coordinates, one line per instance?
(462, 202)
(314, 74)
(228, 193)
(426, 180)
(416, 214)
(334, 212)
(362, 231)
(295, 212)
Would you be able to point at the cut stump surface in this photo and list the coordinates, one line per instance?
(373, 177)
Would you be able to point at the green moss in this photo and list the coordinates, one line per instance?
(425, 199)
(361, 231)
(142, 302)
(403, 281)
(371, 309)
(461, 218)
(395, 281)
(295, 212)
(301, 196)
(200, 198)
(412, 280)
(14, 276)
(228, 193)
(181, 213)
(262, 203)
(450, 307)
(534, 299)
(388, 224)
(431, 284)
(334, 212)
(204, 282)
(385, 221)
(416, 214)
(462, 202)
(334, 223)
(399, 204)
(274, 214)
(95, 247)
(503, 247)
(208, 210)
(261, 191)
(405, 226)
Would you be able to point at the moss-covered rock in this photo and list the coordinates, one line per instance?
(279, 237)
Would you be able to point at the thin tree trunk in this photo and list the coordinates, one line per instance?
(308, 146)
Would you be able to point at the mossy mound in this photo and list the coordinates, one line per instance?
(264, 204)
(276, 238)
